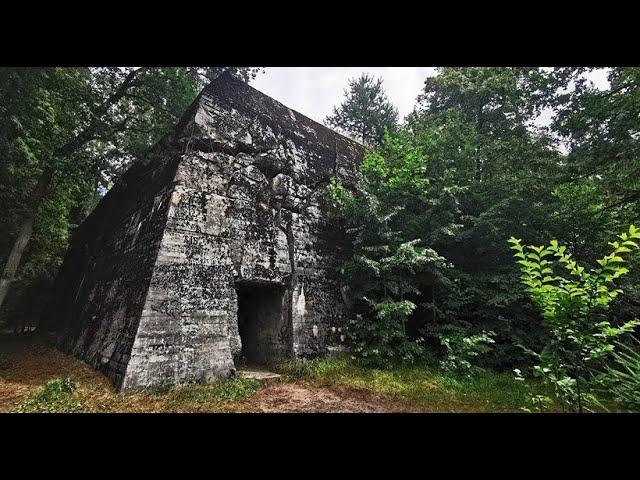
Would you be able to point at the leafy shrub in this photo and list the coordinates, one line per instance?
(382, 274)
(57, 396)
(574, 308)
(461, 350)
(382, 343)
(535, 401)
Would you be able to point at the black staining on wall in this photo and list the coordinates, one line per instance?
(236, 118)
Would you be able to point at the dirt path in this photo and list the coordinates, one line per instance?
(305, 398)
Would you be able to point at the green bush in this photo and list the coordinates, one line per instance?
(574, 303)
(57, 396)
(462, 350)
(382, 272)
(382, 343)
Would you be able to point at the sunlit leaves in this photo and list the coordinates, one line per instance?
(570, 305)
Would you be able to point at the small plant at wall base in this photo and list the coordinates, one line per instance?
(57, 396)
(574, 308)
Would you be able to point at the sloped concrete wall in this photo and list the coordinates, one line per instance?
(102, 284)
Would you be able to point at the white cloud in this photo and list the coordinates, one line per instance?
(314, 91)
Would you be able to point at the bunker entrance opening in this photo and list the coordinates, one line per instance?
(262, 324)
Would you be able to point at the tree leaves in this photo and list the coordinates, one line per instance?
(570, 306)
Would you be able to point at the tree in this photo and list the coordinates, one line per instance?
(470, 167)
(79, 127)
(602, 132)
(458, 176)
(382, 273)
(38, 112)
(600, 174)
(365, 112)
(499, 163)
(403, 201)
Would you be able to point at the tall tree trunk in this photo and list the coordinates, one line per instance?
(24, 233)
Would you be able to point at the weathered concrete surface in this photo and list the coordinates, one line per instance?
(102, 284)
(262, 376)
(231, 202)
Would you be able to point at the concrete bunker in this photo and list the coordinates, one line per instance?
(263, 323)
(147, 292)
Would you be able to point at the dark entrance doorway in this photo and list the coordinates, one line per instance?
(262, 323)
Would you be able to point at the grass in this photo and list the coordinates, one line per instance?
(55, 396)
(36, 378)
(201, 396)
(61, 396)
(420, 387)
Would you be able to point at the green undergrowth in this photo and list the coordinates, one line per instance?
(201, 395)
(62, 396)
(421, 387)
(56, 396)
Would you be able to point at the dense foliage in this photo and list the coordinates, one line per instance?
(437, 197)
(574, 307)
(620, 380)
(472, 166)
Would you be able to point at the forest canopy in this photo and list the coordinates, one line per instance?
(471, 167)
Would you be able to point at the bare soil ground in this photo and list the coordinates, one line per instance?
(26, 365)
(300, 397)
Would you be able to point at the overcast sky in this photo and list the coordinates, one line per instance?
(314, 91)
